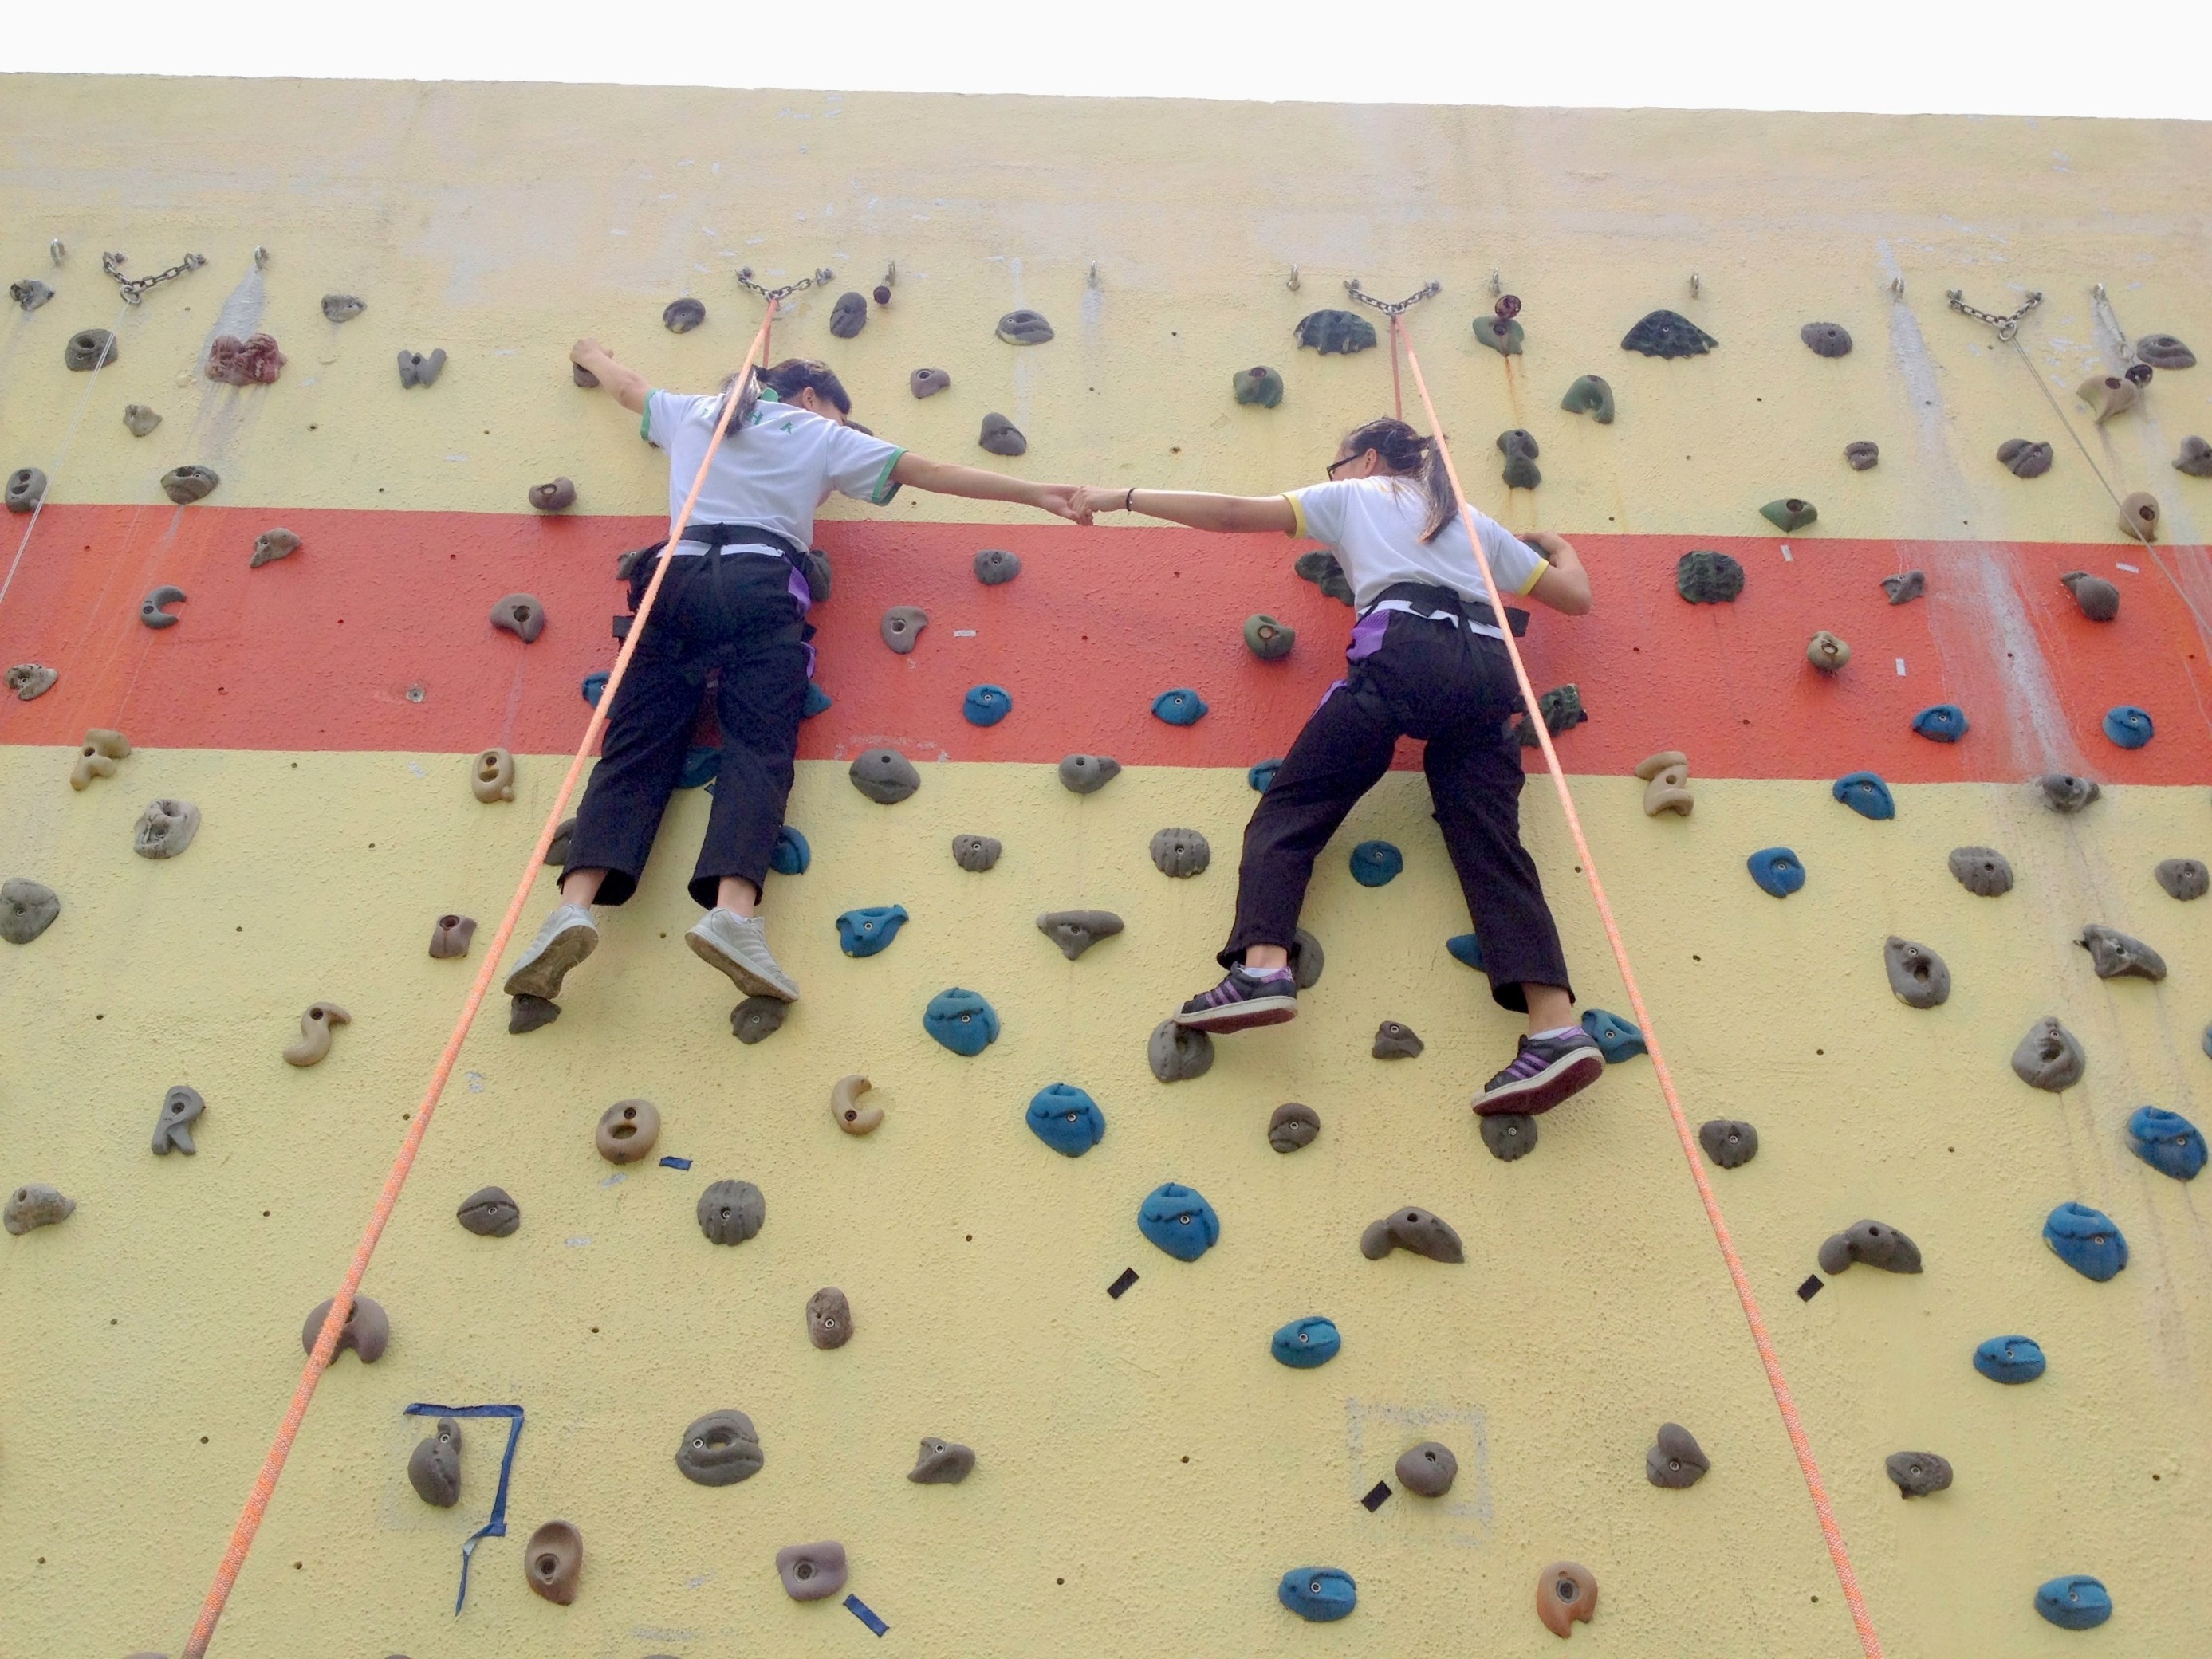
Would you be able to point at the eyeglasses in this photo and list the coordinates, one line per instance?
(1346, 461)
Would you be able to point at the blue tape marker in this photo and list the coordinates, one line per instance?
(496, 1526)
(675, 1163)
(862, 1611)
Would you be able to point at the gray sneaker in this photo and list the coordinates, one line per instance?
(738, 945)
(566, 939)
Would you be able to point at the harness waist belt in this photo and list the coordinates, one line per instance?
(715, 537)
(1444, 605)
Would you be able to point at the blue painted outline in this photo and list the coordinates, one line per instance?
(862, 1611)
(495, 1527)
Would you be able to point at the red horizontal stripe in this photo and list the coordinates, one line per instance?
(317, 652)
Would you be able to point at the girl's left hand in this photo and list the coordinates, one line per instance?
(1091, 499)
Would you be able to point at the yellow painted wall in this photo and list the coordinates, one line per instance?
(147, 1346)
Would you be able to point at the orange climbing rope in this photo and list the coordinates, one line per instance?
(1838, 1552)
(264, 1484)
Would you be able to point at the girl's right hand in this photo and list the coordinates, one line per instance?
(1092, 498)
(587, 347)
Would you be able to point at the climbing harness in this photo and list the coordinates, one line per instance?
(255, 1507)
(134, 288)
(773, 295)
(1838, 1554)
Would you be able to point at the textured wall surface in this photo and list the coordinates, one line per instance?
(1146, 1470)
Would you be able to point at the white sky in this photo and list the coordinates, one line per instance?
(2094, 57)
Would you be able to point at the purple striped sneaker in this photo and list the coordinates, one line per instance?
(1243, 1000)
(1547, 1070)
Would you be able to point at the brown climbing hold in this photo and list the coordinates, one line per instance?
(2049, 1058)
(33, 1205)
(1420, 1232)
(529, 1013)
(556, 852)
(492, 777)
(2099, 599)
(1982, 871)
(941, 1463)
(1729, 1142)
(28, 680)
(252, 362)
(1872, 1244)
(1918, 1474)
(489, 1213)
(1667, 778)
(186, 484)
(553, 1561)
(1566, 1596)
(811, 1571)
(1000, 436)
(627, 1130)
(2116, 955)
(521, 615)
(1917, 974)
(1862, 455)
(1292, 1126)
(1427, 1470)
(1905, 588)
(1675, 1460)
(140, 419)
(271, 545)
(720, 1450)
(583, 377)
(1025, 327)
(435, 1469)
(927, 382)
(2107, 395)
(1509, 1135)
(315, 1027)
(557, 496)
(366, 1330)
(682, 316)
(829, 1318)
(2196, 458)
(1077, 930)
(901, 627)
(27, 909)
(102, 749)
(1826, 652)
(2024, 458)
(731, 1212)
(2183, 879)
(1395, 1042)
(2139, 516)
(450, 936)
(757, 1019)
(165, 828)
(846, 1111)
(1178, 1052)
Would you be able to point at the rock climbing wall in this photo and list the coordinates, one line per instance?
(1144, 1470)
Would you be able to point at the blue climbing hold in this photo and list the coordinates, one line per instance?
(1067, 1119)
(863, 933)
(1318, 1593)
(1263, 774)
(2009, 1359)
(1467, 948)
(1865, 794)
(1183, 706)
(987, 705)
(702, 764)
(792, 854)
(2075, 1601)
(1616, 1039)
(595, 686)
(1179, 1221)
(1305, 1343)
(2130, 727)
(2167, 1141)
(817, 701)
(1376, 863)
(1776, 871)
(1941, 722)
(962, 1021)
(2086, 1240)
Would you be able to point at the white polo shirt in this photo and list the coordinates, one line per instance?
(774, 472)
(1374, 527)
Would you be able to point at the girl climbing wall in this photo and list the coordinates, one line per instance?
(734, 600)
(1428, 661)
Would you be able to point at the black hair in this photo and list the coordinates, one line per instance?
(1407, 453)
(789, 379)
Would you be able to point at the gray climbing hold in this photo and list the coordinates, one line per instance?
(186, 484)
(1427, 1470)
(450, 936)
(1000, 436)
(1561, 709)
(1905, 588)
(1339, 331)
(1827, 339)
(884, 777)
(2049, 1058)
(1180, 853)
(756, 1019)
(1267, 639)
(1982, 871)
(1395, 1042)
(1675, 1460)
(1320, 568)
(27, 488)
(30, 294)
(271, 545)
(1917, 1474)
(1874, 1245)
(1177, 1052)
(416, 369)
(975, 854)
(1025, 327)
(720, 1450)
(27, 909)
(1518, 446)
(1077, 930)
(927, 382)
(2116, 955)
(151, 609)
(1306, 959)
(342, 308)
(2139, 516)
(489, 1213)
(1862, 455)
(1704, 577)
(140, 419)
(91, 348)
(2196, 458)
(995, 566)
(1086, 774)
(1590, 395)
(2164, 351)
(165, 828)
(521, 615)
(2183, 879)
(2099, 599)
(33, 1205)
(2024, 458)
(1916, 973)
(731, 1212)
(941, 1463)
(682, 316)
(901, 627)
(528, 1013)
(1668, 334)
(1292, 1126)
(1509, 1135)
(1261, 387)
(1729, 1142)
(435, 1469)
(29, 680)
(811, 1572)
(556, 851)
(172, 1128)
(558, 496)
(829, 1314)
(366, 1330)
(2064, 792)
(849, 315)
(1419, 1231)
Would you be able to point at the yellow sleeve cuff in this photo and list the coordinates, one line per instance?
(1537, 576)
(1298, 515)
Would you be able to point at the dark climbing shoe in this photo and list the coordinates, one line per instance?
(1545, 1073)
(566, 939)
(1242, 1001)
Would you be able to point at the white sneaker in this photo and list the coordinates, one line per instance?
(566, 939)
(738, 945)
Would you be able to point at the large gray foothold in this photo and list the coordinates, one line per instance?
(2048, 1057)
(34, 1205)
(2064, 792)
(165, 828)
(557, 853)
(2024, 457)
(2117, 955)
(1875, 1244)
(1863, 455)
(434, 1470)
(849, 315)
(343, 307)
(884, 777)
(27, 488)
(150, 611)
(2165, 351)
(489, 1213)
(1916, 973)
(173, 1130)
(1918, 1474)
(1509, 1135)
(2183, 879)
(1905, 588)
(1306, 960)
(2099, 599)
(941, 1463)
(1292, 1126)
(975, 854)
(1675, 1461)
(271, 545)
(1086, 774)
(521, 615)
(901, 627)
(1427, 1470)
(529, 1013)
(811, 1572)
(1827, 339)
(1420, 1232)
(366, 1330)
(1729, 1142)
(27, 909)
(1179, 1053)
(1025, 327)
(1000, 436)
(1321, 568)
(927, 382)
(1982, 871)
(1077, 930)
(2196, 458)
(995, 566)
(731, 1212)
(757, 1019)
(90, 348)
(720, 1450)
(829, 1318)
(1395, 1042)
(30, 680)
(682, 316)
(1180, 853)
(416, 369)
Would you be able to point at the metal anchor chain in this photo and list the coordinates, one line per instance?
(2006, 327)
(819, 279)
(1389, 307)
(134, 288)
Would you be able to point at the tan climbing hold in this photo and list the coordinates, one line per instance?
(553, 1561)
(315, 1033)
(845, 1107)
(1566, 1595)
(33, 1205)
(140, 419)
(1667, 778)
(30, 680)
(102, 749)
(1826, 652)
(628, 1130)
(2108, 395)
(2139, 516)
(493, 776)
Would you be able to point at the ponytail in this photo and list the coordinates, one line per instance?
(1407, 454)
(787, 379)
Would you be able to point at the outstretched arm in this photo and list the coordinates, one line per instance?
(624, 384)
(977, 484)
(1194, 507)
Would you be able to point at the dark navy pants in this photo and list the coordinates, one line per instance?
(727, 611)
(1413, 677)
